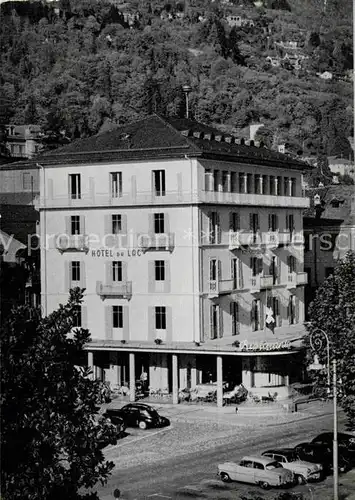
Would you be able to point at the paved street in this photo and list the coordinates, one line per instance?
(181, 461)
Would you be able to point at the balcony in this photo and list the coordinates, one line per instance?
(271, 239)
(302, 278)
(120, 289)
(258, 283)
(157, 241)
(221, 287)
(261, 200)
(291, 280)
(72, 243)
(238, 239)
(284, 238)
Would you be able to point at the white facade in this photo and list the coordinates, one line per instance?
(195, 221)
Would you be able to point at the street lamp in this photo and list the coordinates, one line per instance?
(186, 90)
(316, 344)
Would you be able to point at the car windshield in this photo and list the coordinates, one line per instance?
(273, 465)
(292, 457)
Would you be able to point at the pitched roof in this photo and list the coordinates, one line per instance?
(336, 201)
(156, 137)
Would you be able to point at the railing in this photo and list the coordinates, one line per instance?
(73, 242)
(291, 280)
(254, 199)
(302, 278)
(120, 289)
(266, 281)
(239, 239)
(284, 238)
(157, 241)
(219, 287)
(258, 283)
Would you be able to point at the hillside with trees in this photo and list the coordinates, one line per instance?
(78, 68)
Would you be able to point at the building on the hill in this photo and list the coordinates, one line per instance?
(189, 245)
(23, 141)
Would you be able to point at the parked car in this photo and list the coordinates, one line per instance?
(345, 441)
(112, 416)
(323, 454)
(141, 415)
(304, 471)
(256, 470)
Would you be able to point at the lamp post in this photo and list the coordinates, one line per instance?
(186, 90)
(316, 344)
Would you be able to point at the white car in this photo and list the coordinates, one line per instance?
(256, 470)
(289, 459)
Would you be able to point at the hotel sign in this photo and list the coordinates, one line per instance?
(110, 253)
(265, 346)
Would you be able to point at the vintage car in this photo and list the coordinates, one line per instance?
(289, 458)
(256, 470)
(323, 454)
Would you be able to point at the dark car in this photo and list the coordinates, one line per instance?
(323, 454)
(345, 440)
(142, 416)
(112, 416)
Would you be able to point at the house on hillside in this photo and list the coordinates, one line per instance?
(23, 141)
(239, 21)
(326, 75)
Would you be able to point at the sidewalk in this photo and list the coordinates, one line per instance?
(263, 415)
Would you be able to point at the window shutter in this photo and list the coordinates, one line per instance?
(219, 276)
(151, 276)
(279, 270)
(212, 333)
(108, 322)
(219, 229)
(231, 225)
(240, 274)
(251, 221)
(251, 266)
(82, 224)
(167, 282)
(287, 223)
(233, 277)
(67, 276)
(297, 309)
(289, 309)
(257, 222)
(166, 223)
(252, 315)
(84, 316)
(108, 224)
(276, 222)
(151, 323)
(169, 324)
(68, 225)
(125, 330)
(108, 273)
(237, 326)
(124, 224)
(151, 223)
(261, 312)
(82, 275)
(124, 271)
(220, 321)
(277, 312)
(270, 222)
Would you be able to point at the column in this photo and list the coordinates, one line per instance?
(290, 187)
(246, 373)
(132, 377)
(229, 185)
(219, 382)
(91, 363)
(175, 380)
(245, 183)
(261, 187)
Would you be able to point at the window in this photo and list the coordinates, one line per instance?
(256, 265)
(254, 223)
(159, 223)
(272, 187)
(234, 222)
(213, 270)
(160, 318)
(292, 310)
(279, 186)
(273, 269)
(116, 184)
(26, 181)
(258, 465)
(214, 321)
(255, 315)
(75, 271)
(329, 271)
(159, 270)
(225, 181)
(307, 241)
(117, 316)
(75, 224)
(273, 222)
(246, 463)
(215, 180)
(77, 317)
(75, 186)
(116, 223)
(234, 311)
(117, 271)
(286, 189)
(249, 183)
(290, 223)
(214, 230)
(293, 186)
(265, 184)
(159, 182)
(234, 187)
(291, 262)
(257, 184)
(242, 184)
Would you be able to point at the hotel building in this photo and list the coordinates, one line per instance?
(189, 245)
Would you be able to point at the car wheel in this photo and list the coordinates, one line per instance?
(225, 477)
(300, 479)
(264, 485)
(142, 425)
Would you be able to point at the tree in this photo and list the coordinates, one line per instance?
(50, 436)
(333, 310)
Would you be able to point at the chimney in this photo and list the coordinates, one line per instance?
(253, 130)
